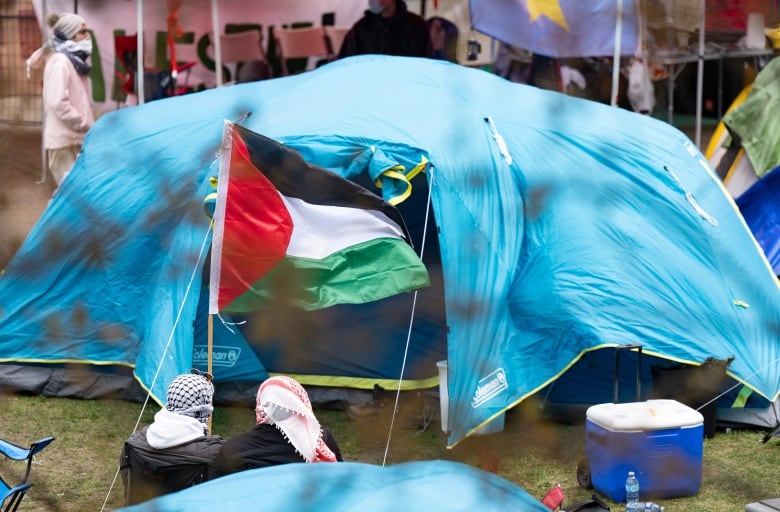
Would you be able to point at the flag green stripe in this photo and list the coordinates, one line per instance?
(364, 272)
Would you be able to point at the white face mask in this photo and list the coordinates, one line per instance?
(85, 45)
(374, 6)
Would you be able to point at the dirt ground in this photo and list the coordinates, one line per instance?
(23, 197)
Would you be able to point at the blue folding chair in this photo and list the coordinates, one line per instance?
(10, 497)
(15, 452)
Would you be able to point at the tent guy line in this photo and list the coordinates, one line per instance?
(411, 320)
(739, 383)
(203, 246)
(194, 274)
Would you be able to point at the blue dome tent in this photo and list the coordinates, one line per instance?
(557, 226)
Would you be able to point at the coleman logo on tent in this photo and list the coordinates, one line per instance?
(220, 356)
(489, 386)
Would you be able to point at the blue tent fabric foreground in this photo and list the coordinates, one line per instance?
(412, 486)
(563, 226)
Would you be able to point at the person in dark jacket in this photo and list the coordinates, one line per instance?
(286, 431)
(388, 28)
(176, 451)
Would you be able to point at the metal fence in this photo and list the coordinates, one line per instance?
(20, 35)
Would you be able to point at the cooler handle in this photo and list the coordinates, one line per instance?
(638, 346)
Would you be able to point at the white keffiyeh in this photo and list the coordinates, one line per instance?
(284, 403)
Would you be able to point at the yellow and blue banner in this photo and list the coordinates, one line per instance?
(560, 28)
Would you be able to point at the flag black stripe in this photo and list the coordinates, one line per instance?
(287, 171)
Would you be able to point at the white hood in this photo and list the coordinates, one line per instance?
(170, 429)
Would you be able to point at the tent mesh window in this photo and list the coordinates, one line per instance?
(20, 36)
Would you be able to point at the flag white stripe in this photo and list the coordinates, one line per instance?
(320, 230)
(219, 217)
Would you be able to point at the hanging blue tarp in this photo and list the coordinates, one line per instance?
(562, 225)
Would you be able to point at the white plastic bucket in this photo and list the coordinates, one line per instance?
(494, 427)
(756, 36)
(444, 394)
(497, 425)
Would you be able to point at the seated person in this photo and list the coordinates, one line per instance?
(286, 431)
(176, 451)
(444, 38)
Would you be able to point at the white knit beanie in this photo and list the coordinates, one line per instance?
(67, 24)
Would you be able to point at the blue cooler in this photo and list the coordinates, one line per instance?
(660, 440)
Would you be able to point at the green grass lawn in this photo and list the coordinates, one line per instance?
(76, 472)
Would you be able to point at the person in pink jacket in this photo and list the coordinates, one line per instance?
(66, 90)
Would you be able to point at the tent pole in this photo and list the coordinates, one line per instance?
(217, 42)
(700, 75)
(139, 78)
(613, 97)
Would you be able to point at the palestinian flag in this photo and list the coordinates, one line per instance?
(287, 230)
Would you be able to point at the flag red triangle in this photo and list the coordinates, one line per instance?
(257, 226)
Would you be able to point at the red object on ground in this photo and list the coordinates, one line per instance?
(554, 497)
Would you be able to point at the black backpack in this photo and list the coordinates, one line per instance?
(149, 477)
(594, 504)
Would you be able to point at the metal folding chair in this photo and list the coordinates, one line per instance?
(10, 497)
(334, 37)
(298, 43)
(16, 452)
(243, 49)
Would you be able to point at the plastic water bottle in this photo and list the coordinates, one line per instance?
(632, 494)
(649, 506)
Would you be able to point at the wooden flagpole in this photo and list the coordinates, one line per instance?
(210, 343)
(208, 364)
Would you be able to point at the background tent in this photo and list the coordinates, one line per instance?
(563, 226)
(744, 146)
(760, 205)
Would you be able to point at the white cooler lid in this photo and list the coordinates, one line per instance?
(649, 415)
